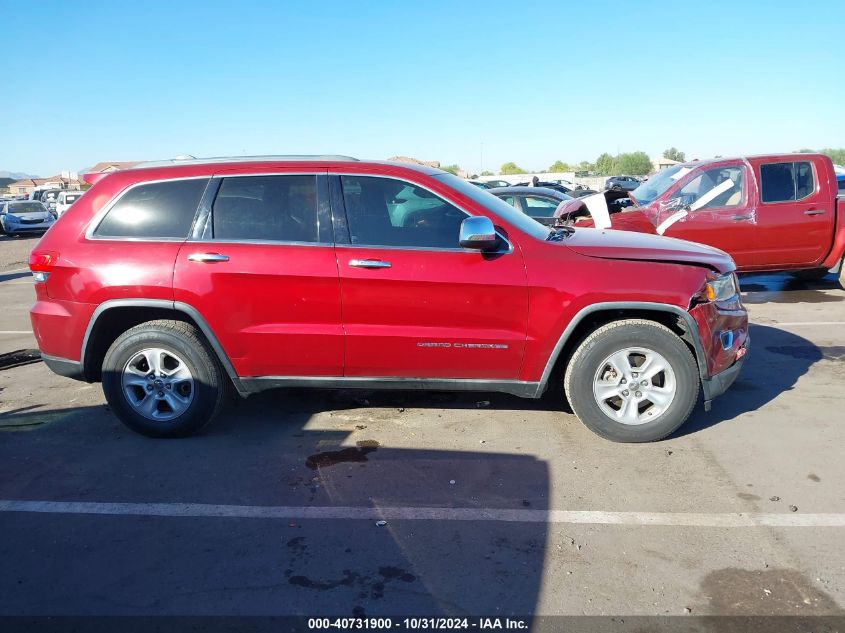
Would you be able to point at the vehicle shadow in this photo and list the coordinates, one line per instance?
(776, 360)
(11, 276)
(21, 236)
(441, 557)
(786, 288)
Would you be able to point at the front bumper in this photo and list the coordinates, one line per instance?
(718, 384)
(12, 229)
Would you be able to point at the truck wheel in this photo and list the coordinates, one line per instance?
(632, 381)
(161, 380)
(811, 274)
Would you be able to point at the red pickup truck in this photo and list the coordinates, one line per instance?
(776, 212)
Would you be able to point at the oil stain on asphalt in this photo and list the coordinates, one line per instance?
(772, 591)
(808, 352)
(357, 453)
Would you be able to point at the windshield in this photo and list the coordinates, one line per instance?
(654, 187)
(26, 207)
(496, 205)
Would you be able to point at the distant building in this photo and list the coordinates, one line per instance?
(108, 167)
(663, 163)
(27, 185)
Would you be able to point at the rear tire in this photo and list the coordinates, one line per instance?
(613, 386)
(161, 379)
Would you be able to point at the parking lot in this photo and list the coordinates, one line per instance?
(492, 505)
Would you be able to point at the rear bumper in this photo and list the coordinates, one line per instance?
(721, 382)
(64, 367)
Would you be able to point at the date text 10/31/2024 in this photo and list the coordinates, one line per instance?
(413, 624)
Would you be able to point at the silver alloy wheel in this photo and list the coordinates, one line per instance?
(157, 384)
(634, 385)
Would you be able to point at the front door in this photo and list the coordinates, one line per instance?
(415, 304)
(719, 211)
(261, 270)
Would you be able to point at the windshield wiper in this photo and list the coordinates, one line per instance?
(560, 233)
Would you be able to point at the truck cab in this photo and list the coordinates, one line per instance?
(769, 212)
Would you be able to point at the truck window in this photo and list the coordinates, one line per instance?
(714, 188)
(785, 182)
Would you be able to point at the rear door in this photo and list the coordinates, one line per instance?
(261, 269)
(415, 304)
(795, 215)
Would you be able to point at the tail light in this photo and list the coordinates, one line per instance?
(41, 264)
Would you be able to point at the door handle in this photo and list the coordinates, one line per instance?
(814, 212)
(369, 263)
(738, 218)
(207, 258)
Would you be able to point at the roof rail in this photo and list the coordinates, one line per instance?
(190, 160)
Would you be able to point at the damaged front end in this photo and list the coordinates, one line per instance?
(722, 323)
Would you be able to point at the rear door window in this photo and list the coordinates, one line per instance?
(158, 210)
(267, 209)
(786, 182)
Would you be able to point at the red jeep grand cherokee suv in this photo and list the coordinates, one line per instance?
(174, 281)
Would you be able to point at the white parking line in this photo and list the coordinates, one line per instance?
(204, 510)
(15, 331)
(807, 323)
(16, 270)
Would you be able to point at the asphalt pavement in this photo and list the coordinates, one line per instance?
(350, 503)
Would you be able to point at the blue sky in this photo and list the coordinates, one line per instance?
(532, 81)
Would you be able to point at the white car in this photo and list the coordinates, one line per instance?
(65, 199)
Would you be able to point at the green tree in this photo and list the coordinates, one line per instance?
(836, 155)
(559, 166)
(452, 169)
(673, 153)
(634, 163)
(487, 173)
(585, 165)
(605, 165)
(509, 169)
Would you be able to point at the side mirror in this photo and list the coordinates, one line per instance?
(478, 233)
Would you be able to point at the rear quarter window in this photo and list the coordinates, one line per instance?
(154, 210)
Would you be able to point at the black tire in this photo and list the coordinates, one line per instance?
(811, 274)
(185, 342)
(590, 355)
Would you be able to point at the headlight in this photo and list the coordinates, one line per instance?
(721, 288)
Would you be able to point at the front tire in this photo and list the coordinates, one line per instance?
(632, 381)
(161, 379)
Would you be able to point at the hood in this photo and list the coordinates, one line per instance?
(611, 244)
